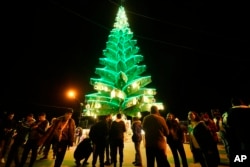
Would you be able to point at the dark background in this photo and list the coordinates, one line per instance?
(196, 52)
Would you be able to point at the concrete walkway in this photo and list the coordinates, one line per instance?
(128, 157)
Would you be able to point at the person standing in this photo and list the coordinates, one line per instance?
(223, 132)
(63, 131)
(47, 146)
(38, 129)
(202, 143)
(211, 126)
(175, 140)
(237, 127)
(22, 131)
(107, 147)
(137, 138)
(7, 129)
(156, 132)
(98, 134)
(116, 136)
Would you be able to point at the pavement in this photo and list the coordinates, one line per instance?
(129, 155)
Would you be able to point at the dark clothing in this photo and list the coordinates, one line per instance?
(60, 150)
(116, 136)
(238, 138)
(213, 129)
(137, 138)
(175, 132)
(207, 153)
(32, 142)
(50, 144)
(114, 145)
(23, 129)
(158, 154)
(47, 148)
(107, 147)
(175, 141)
(98, 134)
(30, 145)
(156, 131)
(83, 151)
(136, 129)
(7, 127)
(7, 130)
(14, 153)
(177, 147)
(78, 135)
(117, 130)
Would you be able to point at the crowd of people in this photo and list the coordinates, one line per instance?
(19, 138)
(105, 140)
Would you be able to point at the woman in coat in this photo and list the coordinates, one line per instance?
(203, 147)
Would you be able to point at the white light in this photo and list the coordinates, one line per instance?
(112, 94)
(139, 114)
(134, 101)
(150, 92)
(97, 105)
(135, 85)
(120, 95)
(87, 106)
(145, 99)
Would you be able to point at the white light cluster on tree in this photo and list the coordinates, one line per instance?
(121, 88)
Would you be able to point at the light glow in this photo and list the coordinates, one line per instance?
(121, 87)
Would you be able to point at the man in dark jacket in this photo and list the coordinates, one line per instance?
(116, 136)
(237, 126)
(98, 134)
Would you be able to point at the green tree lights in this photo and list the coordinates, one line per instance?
(120, 88)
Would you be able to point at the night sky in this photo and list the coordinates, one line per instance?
(196, 52)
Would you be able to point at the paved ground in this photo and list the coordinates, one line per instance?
(128, 157)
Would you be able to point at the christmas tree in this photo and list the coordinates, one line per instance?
(121, 88)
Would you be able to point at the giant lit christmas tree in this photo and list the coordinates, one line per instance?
(120, 88)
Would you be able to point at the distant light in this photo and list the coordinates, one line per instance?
(71, 94)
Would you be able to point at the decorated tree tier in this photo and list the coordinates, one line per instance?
(121, 87)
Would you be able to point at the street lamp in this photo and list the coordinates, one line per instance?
(72, 94)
